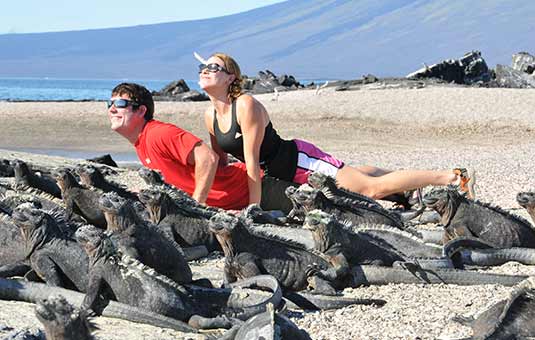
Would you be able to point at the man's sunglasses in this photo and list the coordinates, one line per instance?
(121, 103)
(212, 68)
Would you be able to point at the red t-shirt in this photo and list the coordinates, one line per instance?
(165, 147)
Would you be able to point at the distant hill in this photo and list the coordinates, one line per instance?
(338, 39)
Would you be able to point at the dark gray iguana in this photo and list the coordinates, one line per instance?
(80, 200)
(19, 290)
(248, 254)
(465, 217)
(306, 199)
(512, 318)
(138, 285)
(91, 176)
(187, 223)
(346, 247)
(57, 259)
(329, 186)
(143, 240)
(25, 177)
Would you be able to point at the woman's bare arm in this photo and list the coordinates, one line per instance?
(252, 118)
(209, 122)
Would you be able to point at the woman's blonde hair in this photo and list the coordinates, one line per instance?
(232, 67)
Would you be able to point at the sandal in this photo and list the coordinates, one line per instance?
(468, 181)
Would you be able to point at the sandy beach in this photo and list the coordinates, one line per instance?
(492, 130)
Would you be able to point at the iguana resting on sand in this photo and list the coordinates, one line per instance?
(80, 200)
(143, 240)
(91, 176)
(138, 285)
(25, 177)
(56, 259)
(346, 247)
(306, 199)
(187, 223)
(512, 318)
(465, 217)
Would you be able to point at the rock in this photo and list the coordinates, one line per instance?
(104, 159)
(173, 88)
(508, 77)
(268, 82)
(471, 68)
(523, 62)
(179, 91)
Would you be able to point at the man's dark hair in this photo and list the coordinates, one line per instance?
(137, 93)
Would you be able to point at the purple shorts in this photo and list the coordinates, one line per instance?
(311, 159)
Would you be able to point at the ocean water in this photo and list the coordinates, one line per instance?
(51, 89)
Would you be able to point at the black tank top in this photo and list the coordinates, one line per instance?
(277, 156)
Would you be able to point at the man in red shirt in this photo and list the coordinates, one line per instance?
(184, 160)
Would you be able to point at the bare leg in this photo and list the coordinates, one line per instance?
(392, 182)
(372, 170)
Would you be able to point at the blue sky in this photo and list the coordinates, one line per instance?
(28, 16)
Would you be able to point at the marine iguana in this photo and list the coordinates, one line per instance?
(56, 259)
(330, 188)
(138, 285)
(143, 240)
(465, 217)
(80, 200)
(20, 290)
(248, 254)
(346, 247)
(188, 224)
(90, 176)
(306, 199)
(25, 177)
(512, 318)
(62, 321)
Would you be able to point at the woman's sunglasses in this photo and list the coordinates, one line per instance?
(212, 68)
(121, 103)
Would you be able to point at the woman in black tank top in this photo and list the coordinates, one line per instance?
(240, 125)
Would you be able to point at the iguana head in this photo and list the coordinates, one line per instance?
(93, 240)
(89, 174)
(21, 170)
(223, 225)
(151, 177)
(526, 199)
(118, 211)
(65, 179)
(443, 200)
(319, 181)
(61, 320)
(305, 198)
(156, 201)
(36, 226)
(321, 225)
(27, 217)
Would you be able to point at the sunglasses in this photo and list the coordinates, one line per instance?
(121, 103)
(212, 68)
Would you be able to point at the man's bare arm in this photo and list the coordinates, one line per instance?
(205, 161)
